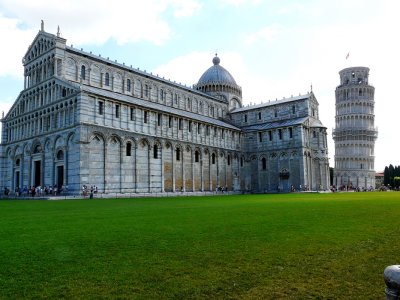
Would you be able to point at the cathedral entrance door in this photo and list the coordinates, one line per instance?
(37, 170)
(60, 176)
(17, 183)
(285, 185)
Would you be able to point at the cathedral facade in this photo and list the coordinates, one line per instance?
(82, 119)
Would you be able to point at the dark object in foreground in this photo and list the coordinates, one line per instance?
(392, 280)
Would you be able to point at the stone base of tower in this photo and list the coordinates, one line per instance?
(354, 180)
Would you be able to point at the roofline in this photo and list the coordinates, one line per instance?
(107, 61)
(157, 106)
(272, 103)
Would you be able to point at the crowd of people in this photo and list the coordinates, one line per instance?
(37, 191)
(89, 191)
(350, 188)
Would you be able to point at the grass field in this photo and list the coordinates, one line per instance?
(294, 246)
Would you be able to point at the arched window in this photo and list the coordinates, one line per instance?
(83, 73)
(196, 156)
(17, 162)
(264, 163)
(155, 151)
(178, 154)
(107, 79)
(60, 155)
(128, 149)
(128, 85)
(213, 158)
(37, 149)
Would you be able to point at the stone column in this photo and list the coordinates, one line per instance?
(135, 148)
(149, 167)
(66, 164)
(183, 171)
(42, 169)
(105, 166)
(201, 172)
(173, 167)
(121, 155)
(217, 162)
(210, 187)
(162, 170)
(53, 175)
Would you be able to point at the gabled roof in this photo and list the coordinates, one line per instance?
(272, 103)
(308, 121)
(143, 73)
(157, 107)
(275, 124)
(42, 34)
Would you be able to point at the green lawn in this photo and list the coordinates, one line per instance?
(254, 246)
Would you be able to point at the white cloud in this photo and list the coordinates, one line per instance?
(241, 2)
(15, 43)
(96, 21)
(5, 105)
(267, 33)
(185, 69)
(185, 8)
(88, 21)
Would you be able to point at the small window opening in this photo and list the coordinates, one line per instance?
(101, 107)
(117, 111)
(128, 149)
(155, 151)
(107, 79)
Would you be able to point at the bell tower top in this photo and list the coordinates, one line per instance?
(354, 75)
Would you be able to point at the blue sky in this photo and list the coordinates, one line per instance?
(273, 49)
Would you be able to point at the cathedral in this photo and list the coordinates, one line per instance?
(85, 120)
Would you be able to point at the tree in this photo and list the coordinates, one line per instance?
(386, 177)
(391, 176)
(396, 181)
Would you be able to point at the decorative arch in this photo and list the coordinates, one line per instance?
(97, 136)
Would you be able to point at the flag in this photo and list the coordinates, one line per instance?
(347, 56)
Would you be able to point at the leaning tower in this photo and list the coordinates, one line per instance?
(355, 131)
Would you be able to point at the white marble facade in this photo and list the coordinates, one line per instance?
(85, 120)
(355, 132)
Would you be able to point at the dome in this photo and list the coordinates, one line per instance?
(216, 74)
